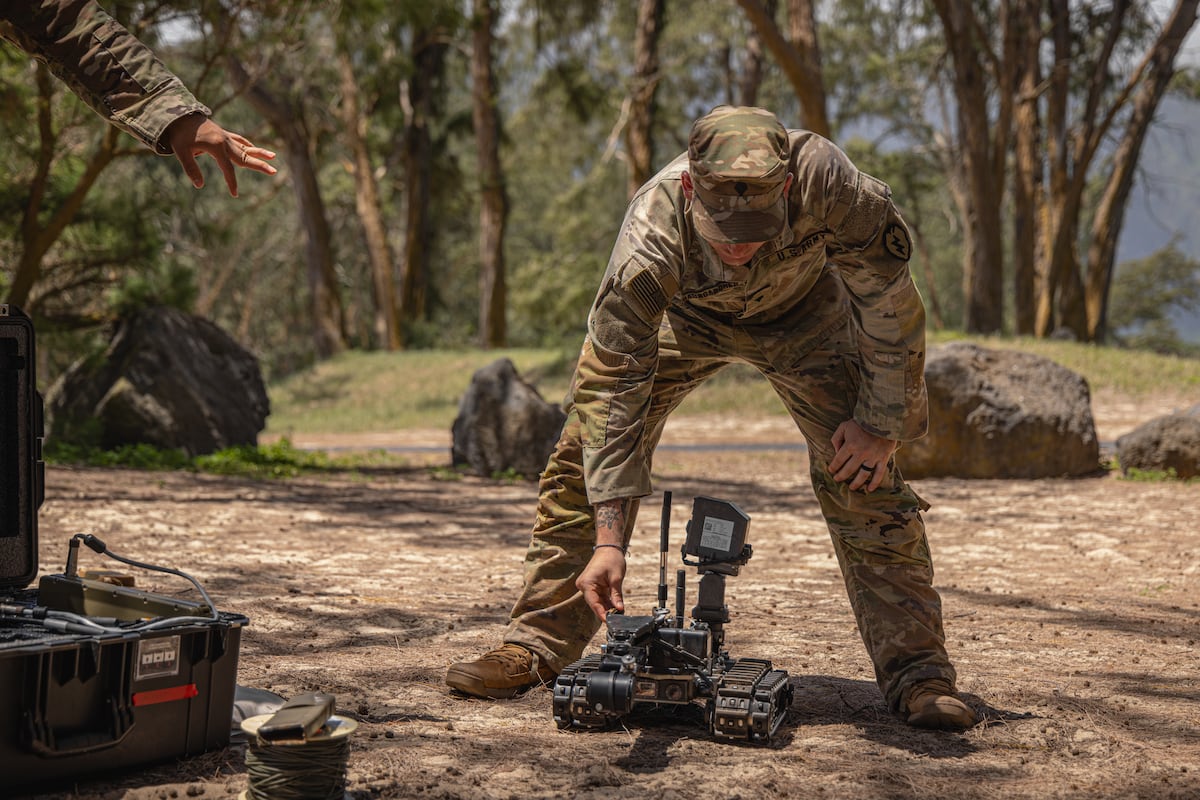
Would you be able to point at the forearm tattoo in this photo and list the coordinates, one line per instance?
(612, 516)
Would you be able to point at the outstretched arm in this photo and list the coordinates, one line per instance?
(124, 82)
(192, 135)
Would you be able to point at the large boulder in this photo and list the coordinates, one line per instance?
(1002, 414)
(167, 379)
(1167, 443)
(503, 424)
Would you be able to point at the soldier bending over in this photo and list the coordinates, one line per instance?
(764, 246)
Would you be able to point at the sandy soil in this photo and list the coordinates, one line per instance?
(1071, 612)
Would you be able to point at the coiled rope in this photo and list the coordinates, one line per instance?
(303, 770)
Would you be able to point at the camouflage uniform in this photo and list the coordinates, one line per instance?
(103, 63)
(828, 313)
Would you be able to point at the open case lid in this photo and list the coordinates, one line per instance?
(22, 471)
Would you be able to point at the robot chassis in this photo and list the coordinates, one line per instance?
(654, 661)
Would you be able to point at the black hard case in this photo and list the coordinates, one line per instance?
(74, 706)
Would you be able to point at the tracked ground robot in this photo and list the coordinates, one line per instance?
(654, 660)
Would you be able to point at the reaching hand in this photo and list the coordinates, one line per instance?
(195, 134)
(860, 458)
(601, 581)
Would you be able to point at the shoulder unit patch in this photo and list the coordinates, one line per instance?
(896, 241)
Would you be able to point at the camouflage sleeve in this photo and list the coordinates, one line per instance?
(611, 390)
(871, 247)
(103, 63)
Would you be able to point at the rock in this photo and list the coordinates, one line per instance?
(1063, 334)
(1170, 442)
(1002, 414)
(503, 424)
(167, 379)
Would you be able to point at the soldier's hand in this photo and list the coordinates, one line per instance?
(194, 134)
(860, 458)
(601, 581)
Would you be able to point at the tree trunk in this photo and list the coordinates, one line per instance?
(493, 206)
(1064, 301)
(1068, 299)
(370, 211)
(420, 96)
(1058, 251)
(936, 318)
(802, 35)
(329, 336)
(1028, 197)
(800, 60)
(639, 132)
(983, 248)
(1107, 223)
(38, 235)
(751, 73)
(1085, 141)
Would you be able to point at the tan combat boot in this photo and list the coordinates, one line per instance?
(932, 706)
(504, 672)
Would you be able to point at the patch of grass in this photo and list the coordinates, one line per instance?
(278, 460)
(359, 392)
(1155, 476)
(133, 456)
(1138, 373)
(369, 392)
(447, 474)
(737, 389)
(512, 477)
(363, 392)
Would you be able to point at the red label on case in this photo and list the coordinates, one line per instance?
(185, 692)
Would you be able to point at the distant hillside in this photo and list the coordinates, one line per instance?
(1166, 200)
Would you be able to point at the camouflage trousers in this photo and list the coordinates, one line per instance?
(879, 538)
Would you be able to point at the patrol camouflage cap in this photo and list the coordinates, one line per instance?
(738, 160)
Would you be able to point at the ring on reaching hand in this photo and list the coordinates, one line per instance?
(865, 468)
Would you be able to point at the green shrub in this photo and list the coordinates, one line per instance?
(133, 456)
(278, 460)
(1155, 475)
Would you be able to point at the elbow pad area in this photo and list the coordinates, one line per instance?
(865, 202)
(873, 227)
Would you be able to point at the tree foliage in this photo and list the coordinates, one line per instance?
(370, 237)
(1148, 291)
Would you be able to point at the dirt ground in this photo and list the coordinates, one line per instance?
(1071, 609)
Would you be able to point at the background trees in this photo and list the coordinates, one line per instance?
(454, 172)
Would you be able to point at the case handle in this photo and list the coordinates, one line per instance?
(51, 745)
(100, 716)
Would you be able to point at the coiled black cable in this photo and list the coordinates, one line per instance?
(312, 770)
